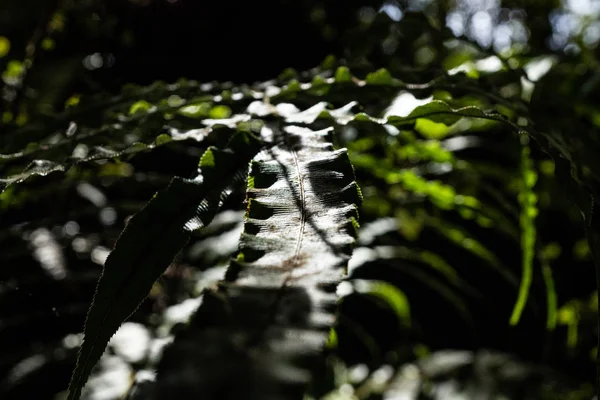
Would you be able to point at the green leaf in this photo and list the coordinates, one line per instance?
(139, 106)
(342, 74)
(273, 313)
(380, 77)
(150, 241)
(551, 298)
(14, 69)
(430, 129)
(529, 211)
(441, 112)
(163, 138)
(219, 112)
(389, 293)
(4, 46)
(200, 110)
(332, 340)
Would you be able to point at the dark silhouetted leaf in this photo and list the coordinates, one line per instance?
(151, 240)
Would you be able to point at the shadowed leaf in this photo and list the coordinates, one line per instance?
(151, 240)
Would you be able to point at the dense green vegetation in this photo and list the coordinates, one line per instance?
(397, 202)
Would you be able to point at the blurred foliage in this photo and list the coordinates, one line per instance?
(472, 207)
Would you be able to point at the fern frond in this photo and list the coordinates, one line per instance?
(270, 318)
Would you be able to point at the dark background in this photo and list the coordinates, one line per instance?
(102, 45)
